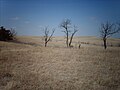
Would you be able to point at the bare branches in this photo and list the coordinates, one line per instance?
(47, 37)
(13, 33)
(66, 25)
(75, 30)
(107, 30)
(51, 35)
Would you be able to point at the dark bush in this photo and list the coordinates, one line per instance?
(7, 34)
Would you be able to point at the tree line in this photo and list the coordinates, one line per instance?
(107, 29)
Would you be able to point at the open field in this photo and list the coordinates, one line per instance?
(28, 65)
(60, 41)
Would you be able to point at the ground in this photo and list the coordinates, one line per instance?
(28, 65)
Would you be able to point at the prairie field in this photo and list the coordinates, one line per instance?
(26, 64)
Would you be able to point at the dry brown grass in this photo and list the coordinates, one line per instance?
(34, 67)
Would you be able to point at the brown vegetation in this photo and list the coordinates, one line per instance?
(30, 67)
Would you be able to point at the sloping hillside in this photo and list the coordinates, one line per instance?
(26, 66)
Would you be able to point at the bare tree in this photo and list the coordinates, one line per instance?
(107, 30)
(66, 25)
(47, 37)
(71, 38)
(13, 34)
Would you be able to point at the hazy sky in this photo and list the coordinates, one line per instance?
(28, 17)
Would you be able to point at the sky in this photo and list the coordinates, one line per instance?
(29, 17)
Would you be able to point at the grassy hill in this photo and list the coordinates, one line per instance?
(27, 65)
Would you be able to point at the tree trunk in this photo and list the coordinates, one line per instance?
(67, 38)
(70, 40)
(45, 44)
(105, 44)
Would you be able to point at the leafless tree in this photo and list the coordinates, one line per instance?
(107, 30)
(47, 37)
(13, 33)
(66, 25)
(71, 38)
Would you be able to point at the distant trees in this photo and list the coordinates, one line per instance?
(47, 37)
(107, 30)
(7, 34)
(66, 25)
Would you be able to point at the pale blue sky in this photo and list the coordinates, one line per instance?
(29, 16)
